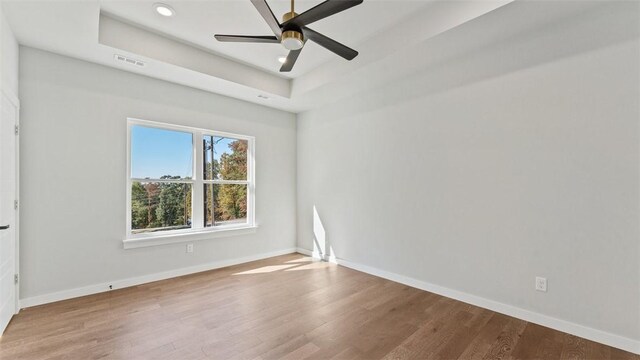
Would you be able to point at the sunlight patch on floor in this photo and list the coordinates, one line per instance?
(266, 269)
(301, 260)
(312, 266)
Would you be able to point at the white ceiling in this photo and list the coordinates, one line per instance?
(197, 21)
(387, 33)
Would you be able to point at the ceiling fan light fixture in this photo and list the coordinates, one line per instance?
(292, 40)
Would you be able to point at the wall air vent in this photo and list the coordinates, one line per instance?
(129, 60)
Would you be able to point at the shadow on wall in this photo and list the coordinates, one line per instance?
(321, 246)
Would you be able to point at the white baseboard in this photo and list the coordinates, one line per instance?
(592, 334)
(139, 280)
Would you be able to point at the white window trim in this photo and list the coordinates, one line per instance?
(198, 231)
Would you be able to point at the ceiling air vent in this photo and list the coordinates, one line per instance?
(129, 60)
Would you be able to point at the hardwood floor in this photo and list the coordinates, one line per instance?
(286, 307)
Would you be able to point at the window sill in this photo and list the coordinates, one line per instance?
(146, 241)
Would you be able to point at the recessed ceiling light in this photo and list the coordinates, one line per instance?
(164, 10)
(282, 59)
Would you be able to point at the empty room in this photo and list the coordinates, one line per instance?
(319, 179)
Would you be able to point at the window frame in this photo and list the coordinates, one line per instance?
(197, 189)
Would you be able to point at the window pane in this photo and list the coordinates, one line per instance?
(225, 204)
(210, 165)
(209, 195)
(225, 158)
(160, 206)
(161, 154)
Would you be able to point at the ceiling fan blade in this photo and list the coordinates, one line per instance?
(247, 38)
(321, 11)
(291, 60)
(267, 14)
(330, 44)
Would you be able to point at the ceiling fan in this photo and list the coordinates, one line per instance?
(293, 32)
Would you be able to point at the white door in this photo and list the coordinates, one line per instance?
(8, 196)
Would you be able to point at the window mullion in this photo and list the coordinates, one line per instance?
(230, 182)
(198, 189)
(149, 180)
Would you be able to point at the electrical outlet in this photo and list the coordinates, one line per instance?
(541, 284)
(189, 248)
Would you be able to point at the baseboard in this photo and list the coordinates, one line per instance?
(139, 280)
(592, 334)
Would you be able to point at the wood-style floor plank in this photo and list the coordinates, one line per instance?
(287, 307)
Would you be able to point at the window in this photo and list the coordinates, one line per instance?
(225, 180)
(185, 180)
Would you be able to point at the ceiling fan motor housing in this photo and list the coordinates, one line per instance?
(288, 16)
(292, 39)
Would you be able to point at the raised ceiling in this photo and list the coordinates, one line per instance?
(197, 21)
(181, 49)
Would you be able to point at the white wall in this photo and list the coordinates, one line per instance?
(8, 57)
(73, 155)
(514, 153)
